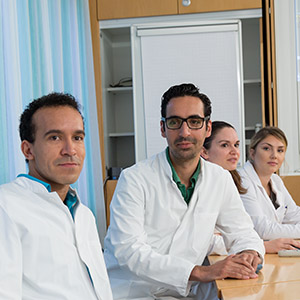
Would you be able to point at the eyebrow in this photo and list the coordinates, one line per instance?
(192, 116)
(272, 145)
(56, 131)
(227, 141)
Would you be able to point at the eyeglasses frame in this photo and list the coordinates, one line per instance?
(185, 120)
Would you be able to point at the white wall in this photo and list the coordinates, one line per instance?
(288, 111)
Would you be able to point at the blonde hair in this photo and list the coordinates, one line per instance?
(265, 132)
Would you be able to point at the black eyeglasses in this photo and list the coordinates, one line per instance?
(194, 122)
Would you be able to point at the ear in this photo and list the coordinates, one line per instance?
(26, 148)
(204, 153)
(252, 153)
(162, 129)
(208, 128)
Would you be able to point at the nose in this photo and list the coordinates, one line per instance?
(234, 150)
(273, 153)
(68, 148)
(184, 129)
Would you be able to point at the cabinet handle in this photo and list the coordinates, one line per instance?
(186, 2)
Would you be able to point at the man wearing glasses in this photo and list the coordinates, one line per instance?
(165, 210)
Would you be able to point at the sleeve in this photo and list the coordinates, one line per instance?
(11, 259)
(235, 224)
(127, 240)
(217, 246)
(268, 228)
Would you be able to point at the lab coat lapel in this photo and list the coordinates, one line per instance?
(281, 210)
(193, 235)
(267, 201)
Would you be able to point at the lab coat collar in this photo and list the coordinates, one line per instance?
(39, 187)
(250, 171)
(47, 185)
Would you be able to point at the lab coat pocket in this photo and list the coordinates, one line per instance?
(280, 213)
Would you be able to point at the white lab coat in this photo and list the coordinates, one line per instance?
(270, 223)
(155, 239)
(44, 253)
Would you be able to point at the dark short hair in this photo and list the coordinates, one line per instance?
(27, 127)
(216, 126)
(184, 89)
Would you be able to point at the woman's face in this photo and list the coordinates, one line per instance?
(268, 155)
(224, 149)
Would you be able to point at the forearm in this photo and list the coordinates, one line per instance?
(271, 230)
(241, 266)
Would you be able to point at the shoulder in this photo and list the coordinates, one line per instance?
(152, 166)
(85, 212)
(12, 188)
(13, 195)
(246, 170)
(213, 175)
(213, 170)
(248, 175)
(277, 182)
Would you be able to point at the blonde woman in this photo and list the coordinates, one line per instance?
(274, 213)
(222, 148)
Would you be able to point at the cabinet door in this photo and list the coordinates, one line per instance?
(196, 6)
(117, 9)
(214, 52)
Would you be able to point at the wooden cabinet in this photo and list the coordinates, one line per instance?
(118, 9)
(197, 6)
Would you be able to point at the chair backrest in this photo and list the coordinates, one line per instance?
(292, 184)
(109, 189)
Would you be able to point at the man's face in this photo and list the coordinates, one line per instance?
(185, 144)
(57, 154)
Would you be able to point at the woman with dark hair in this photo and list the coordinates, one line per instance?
(222, 148)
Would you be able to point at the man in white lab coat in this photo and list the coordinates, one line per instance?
(49, 245)
(165, 209)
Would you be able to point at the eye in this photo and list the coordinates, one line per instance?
(281, 150)
(237, 145)
(54, 137)
(79, 138)
(195, 121)
(173, 121)
(266, 148)
(224, 145)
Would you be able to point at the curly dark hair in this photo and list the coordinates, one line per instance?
(184, 89)
(27, 127)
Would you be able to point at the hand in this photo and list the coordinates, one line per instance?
(251, 257)
(235, 266)
(274, 246)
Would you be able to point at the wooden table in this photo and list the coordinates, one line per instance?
(276, 270)
(274, 291)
